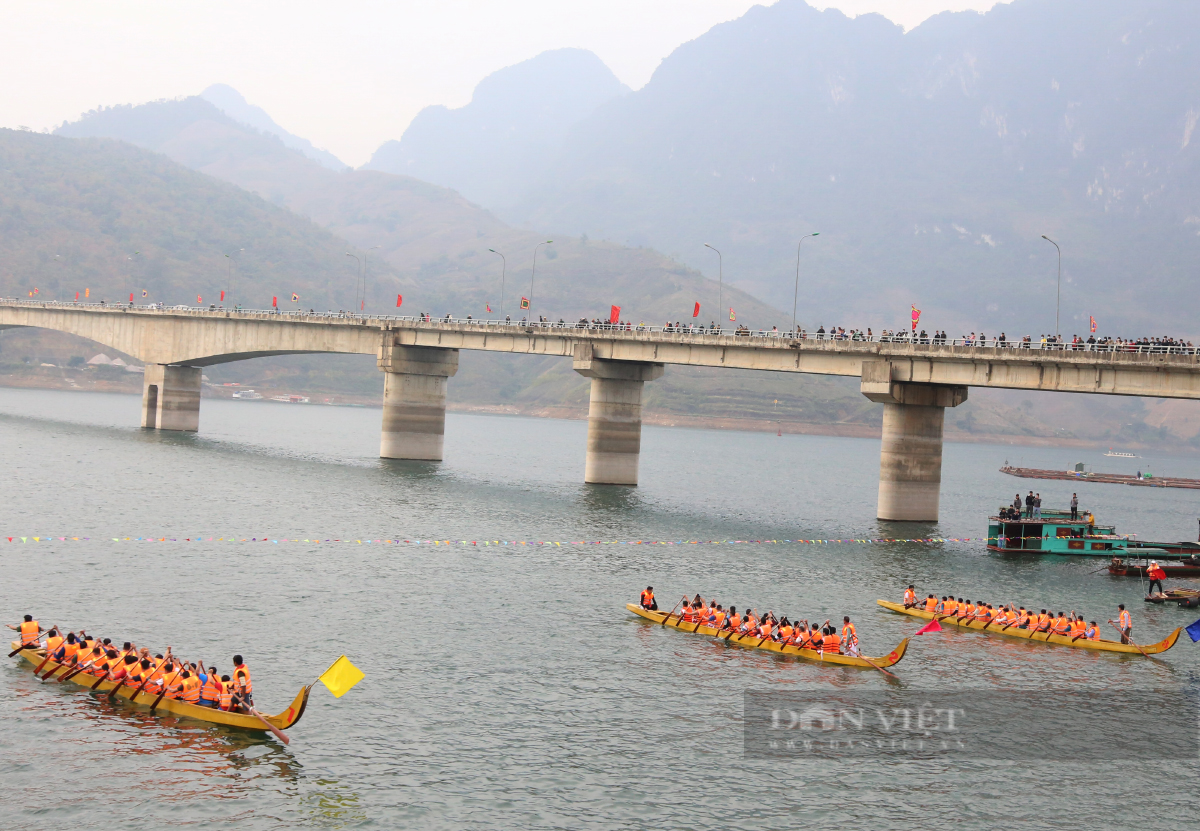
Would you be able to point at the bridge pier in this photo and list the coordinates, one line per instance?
(414, 400)
(171, 397)
(614, 443)
(910, 458)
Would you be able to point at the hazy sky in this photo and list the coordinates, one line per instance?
(346, 75)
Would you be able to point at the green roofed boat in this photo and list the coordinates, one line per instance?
(1056, 533)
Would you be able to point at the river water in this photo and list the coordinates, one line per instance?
(506, 686)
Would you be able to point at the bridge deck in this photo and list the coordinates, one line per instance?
(201, 337)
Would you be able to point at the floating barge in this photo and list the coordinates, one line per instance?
(1105, 478)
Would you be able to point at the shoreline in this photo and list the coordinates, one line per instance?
(131, 386)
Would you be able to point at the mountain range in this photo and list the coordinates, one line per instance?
(930, 161)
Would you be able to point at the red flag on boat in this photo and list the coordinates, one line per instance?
(932, 626)
(614, 314)
(696, 311)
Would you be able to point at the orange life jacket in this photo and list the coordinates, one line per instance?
(1125, 620)
(815, 639)
(1077, 627)
(849, 634)
(1093, 634)
(930, 604)
(785, 633)
(226, 695)
(969, 610)
(69, 651)
(54, 643)
(212, 688)
(735, 621)
(832, 643)
(910, 597)
(1043, 622)
(688, 617)
(29, 632)
(951, 606)
(720, 619)
(241, 680)
(764, 631)
(191, 689)
(647, 598)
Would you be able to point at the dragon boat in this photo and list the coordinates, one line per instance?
(1100, 645)
(753, 642)
(244, 721)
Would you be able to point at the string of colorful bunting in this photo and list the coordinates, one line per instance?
(41, 539)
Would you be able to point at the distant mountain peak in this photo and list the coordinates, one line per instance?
(517, 119)
(231, 102)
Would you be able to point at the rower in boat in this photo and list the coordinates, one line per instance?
(910, 597)
(648, 599)
(1125, 624)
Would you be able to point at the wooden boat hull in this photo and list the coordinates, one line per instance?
(1139, 571)
(750, 642)
(1056, 640)
(243, 721)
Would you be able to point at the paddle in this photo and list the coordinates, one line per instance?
(79, 667)
(877, 666)
(45, 660)
(668, 617)
(279, 734)
(1139, 649)
(166, 686)
(149, 677)
(23, 647)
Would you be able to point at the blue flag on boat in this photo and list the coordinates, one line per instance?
(1194, 631)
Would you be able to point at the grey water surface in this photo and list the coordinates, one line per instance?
(506, 685)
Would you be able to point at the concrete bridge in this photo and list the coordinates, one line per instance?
(914, 382)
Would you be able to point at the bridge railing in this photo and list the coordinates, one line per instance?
(634, 329)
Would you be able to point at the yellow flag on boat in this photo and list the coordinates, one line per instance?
(340, 677)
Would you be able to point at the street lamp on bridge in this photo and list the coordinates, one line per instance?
(720, 282)
(503, 270)
(796, 293)
(1058, 295)
(534, 274)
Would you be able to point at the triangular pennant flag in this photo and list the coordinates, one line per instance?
(1194, 631)
(932, 626)
(340, 677)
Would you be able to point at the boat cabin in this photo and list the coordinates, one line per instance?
(1054, 533)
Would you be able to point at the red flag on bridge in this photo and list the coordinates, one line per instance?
(130, 297)
(274, 302)
(732, 316)
(696, 311)
(399, 300)
(614, 314)
(916, 317)
(1093, 320)
(76, 297)
(524, 302)
(222, 295)
(932, 626)
(199, 300)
